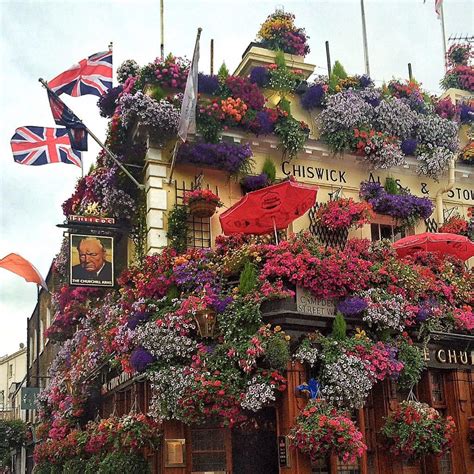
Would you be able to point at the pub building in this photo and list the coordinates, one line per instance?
(262, 445)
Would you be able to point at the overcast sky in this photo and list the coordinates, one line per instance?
(43, 38)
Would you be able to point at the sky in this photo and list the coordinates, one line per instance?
(41, 38)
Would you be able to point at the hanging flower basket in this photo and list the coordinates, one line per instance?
(321, 429)
(202, 203)
(202, 209)
(415, 429)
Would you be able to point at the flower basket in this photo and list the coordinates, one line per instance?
(415, 429)
(322, 429)
(201, 208)
(202, 202)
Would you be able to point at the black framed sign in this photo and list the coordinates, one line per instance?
(91, 260)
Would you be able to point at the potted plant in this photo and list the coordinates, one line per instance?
(322, 429)
(415, 429)
(344, 213)
(202, 202)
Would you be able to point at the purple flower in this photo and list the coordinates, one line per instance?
(313, 97)
(352, 306)
(365, 81)
(108, 101)
(466, 113)
(220, 304)
(259, 75)
(207, 84)
(403, 206)
(225, 156)
(137, 317)
(252, 183)
(141, 359)
(408, 146)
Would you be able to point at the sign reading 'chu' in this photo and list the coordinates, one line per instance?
(306, 303)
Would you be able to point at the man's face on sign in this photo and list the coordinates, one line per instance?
(91, 255)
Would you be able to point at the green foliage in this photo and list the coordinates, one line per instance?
(292, 136)
(240, 320)
(177, 228)
(339, 141)
(92, 465)
(412, 359)
(280, 60)
(339, 328)
(209, 127)
(223, 73)
(391, 186)
(123, 463)
(277, 352)
(156, 92)
(285, 105)
(43, 468)
(248, 279)
(74, 466)
(338, 72)
(172, 293)
(12, 436)
(269, 169)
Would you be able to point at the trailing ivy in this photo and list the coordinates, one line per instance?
(177, 228)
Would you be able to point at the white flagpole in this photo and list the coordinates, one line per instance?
(443, 32)
(364, 37)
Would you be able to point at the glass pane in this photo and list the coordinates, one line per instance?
(374, 230)
(209, 461)
(445, 466)
(386, 231)
(437, 392)
(320, 466)
(208, 440)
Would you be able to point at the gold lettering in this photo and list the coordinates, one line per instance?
(426, 354)
(438, 356)
(463, 357)
(451, 356)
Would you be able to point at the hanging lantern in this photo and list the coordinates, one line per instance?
(206, 321)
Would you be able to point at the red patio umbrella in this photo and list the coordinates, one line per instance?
(447, 244)
(267, 209)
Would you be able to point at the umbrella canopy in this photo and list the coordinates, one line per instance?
(447, 244)
(267, 209)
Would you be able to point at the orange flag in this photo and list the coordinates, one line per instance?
(19, 265)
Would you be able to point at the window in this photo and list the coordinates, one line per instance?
(208, 449)
(2, 399)
(48, 317)
(10, 371)
(41, 335)
(386, 231)
(320, 466)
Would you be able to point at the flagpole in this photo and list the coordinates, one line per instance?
(101, 144)
(175, 150)
(364, 37)
(443, 32)
(162, 28)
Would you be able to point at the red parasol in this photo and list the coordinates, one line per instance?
(447, 244)
(267, 209)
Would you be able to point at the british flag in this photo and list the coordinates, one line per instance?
(91, 76)
(43, 145)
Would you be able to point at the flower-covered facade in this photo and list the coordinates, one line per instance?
(247, 354)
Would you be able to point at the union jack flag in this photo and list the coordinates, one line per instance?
(91, 76)
(43, 145)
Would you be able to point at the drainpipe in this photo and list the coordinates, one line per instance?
(439, 194)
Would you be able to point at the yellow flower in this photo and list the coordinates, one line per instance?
(277, 328)
(360, 334)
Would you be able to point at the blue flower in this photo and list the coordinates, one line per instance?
(352, 306)
(259, 75)
(408, 146)
(313, 97)
(141, 359)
